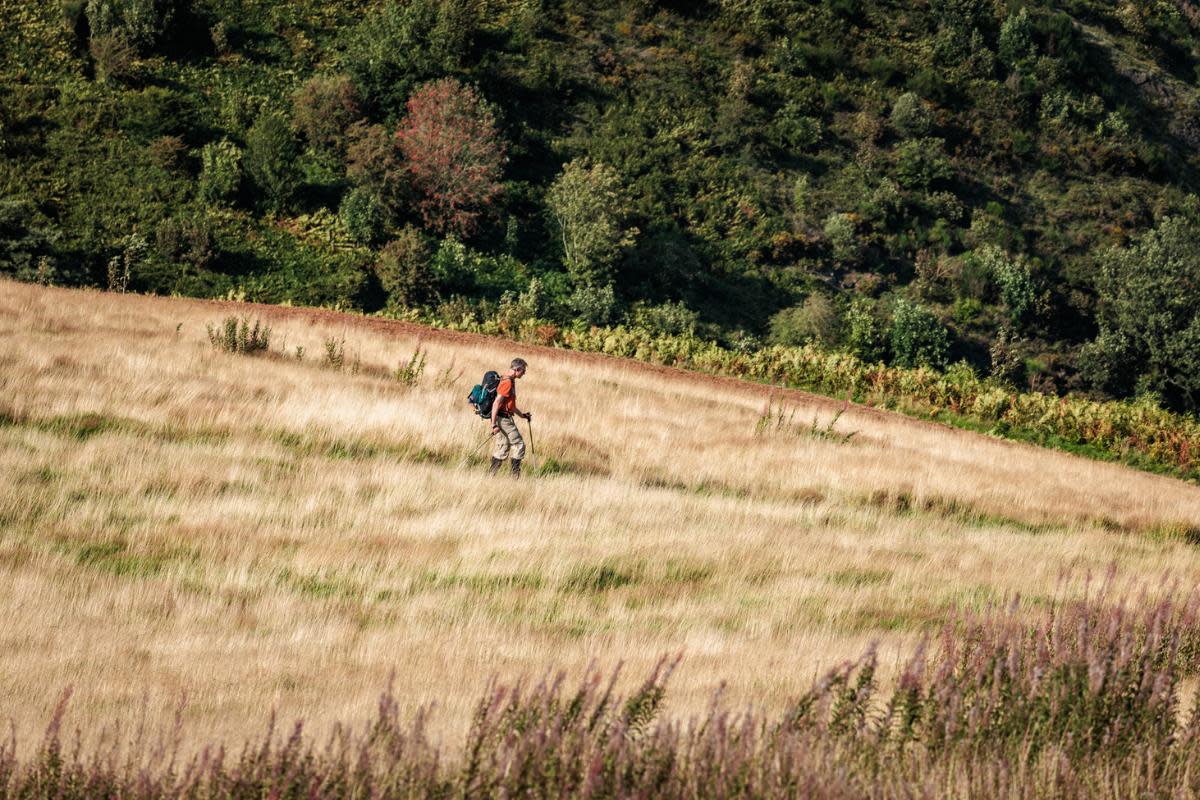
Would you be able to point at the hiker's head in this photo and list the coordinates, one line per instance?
(518, 366)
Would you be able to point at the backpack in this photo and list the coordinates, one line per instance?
(483, 394)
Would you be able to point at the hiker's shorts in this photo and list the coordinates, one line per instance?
(508, 440)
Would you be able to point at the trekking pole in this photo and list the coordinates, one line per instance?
(529, 424)
(474, 450)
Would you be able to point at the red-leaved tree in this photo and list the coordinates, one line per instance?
(453, 155)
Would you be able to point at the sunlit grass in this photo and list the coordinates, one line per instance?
(263, 529)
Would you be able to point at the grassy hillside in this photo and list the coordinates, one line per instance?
(272, 530)
(918, 183)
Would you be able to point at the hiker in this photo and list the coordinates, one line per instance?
(504, 427)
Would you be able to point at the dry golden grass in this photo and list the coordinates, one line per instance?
(258, 531)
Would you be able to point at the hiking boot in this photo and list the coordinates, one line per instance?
(496, 462)
(516, 468)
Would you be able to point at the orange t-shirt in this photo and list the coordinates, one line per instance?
(506, 396)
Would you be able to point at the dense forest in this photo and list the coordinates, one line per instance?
(1007, 183)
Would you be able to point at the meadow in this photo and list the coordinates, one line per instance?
(185, 530)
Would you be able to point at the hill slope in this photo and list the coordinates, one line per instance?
(769, 168)
(266, 530)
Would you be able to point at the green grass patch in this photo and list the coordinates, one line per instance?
(599, 578)
(115, 557)
(319, 586)
(858, 578)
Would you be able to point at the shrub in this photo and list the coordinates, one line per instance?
(796, 131)
(1013, 279)
(667, 319)
(324, 108)
(409, 372)
(841, 231)
(403, 43)
(142, 23)
(917, 338)
(270, 159)
(220, 171)
(186, 240)
(1016, 38)
(594, 305)
(1149, 316)
(814, 320)
(115, 58)
(865, 331)
(335, 353)
(453, 155)
(24, 240)
(922, 163)
(373, 161)
(403, 268)
(363, 215)
(911, 117)
(237, 336)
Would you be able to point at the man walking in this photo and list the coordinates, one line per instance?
(504, 427)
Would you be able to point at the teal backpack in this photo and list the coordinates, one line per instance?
(483, 394)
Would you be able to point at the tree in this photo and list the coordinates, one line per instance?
(814, 320)
(1016, 38)
(220, 171)
(1149, 316)
(143, 23)
(841, 231)
(373, 162)
(403, 268)
(910, 116)
(324, 109)
(453, 155)
(271, 153)
(589, 209)
(404, 43)
(918, 338)
(1012, 278)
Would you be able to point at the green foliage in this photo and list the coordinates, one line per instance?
(589, 210)
(114, 57)
(911, 117)
(917, 338)
(841, 231)
(866, 335)
(1016, 38)
(1150, 316)
(403, 268)
(324, 108)
(408, 373)
(814, 320)
(270, 159)
(1013, 279)
(220, 172)
(666, 319)
(142, 23)
(25, 245)
(737, 132)
(364, 215)
(922, 163)
(237, 336)
(185, 240)
(401, 44)
(593, 305)
(373, 162)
